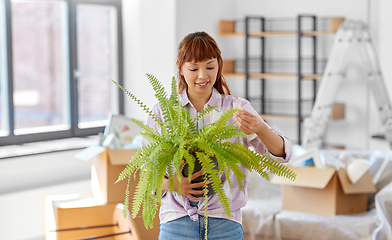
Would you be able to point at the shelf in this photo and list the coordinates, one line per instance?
(273, 75)
(281, 101)
(229, 71)
(280, 116)
(338, 111)
(271, 34)
(227, 28)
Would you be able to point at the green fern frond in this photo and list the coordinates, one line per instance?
(190, 160)
(250, 159)
(179, 140)
(206, 209)
(279, 169)
(230, 131)
(126, 201)
(215, 180)
(140, 103)
(174, 96)
(206, 146)
(222, 121)
(145, 128)
(152, 138)
(177, 159)
(204, 112)
(170, 173)
(191, 123)
(138, 160)
(140, 191)
(161, 95)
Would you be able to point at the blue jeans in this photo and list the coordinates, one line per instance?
(186, 229)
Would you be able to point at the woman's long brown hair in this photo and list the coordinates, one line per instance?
(198, 47)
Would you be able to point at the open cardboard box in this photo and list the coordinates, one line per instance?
(106, 165)
(324, 191)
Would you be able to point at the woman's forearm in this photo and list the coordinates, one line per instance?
(273, 142)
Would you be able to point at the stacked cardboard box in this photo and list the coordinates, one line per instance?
(106, 168)
(98, 210)
(75, 217)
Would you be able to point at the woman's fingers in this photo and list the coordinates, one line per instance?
(197, 193)
(190, 189)
(191, 193)
(197, 174)
(199, 184)
(247, 122)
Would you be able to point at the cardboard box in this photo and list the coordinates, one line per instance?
(226, 27)
(76, 218)
(105, 169)
(324, 191)
(228, 66)
(337, 111)
(106, 165)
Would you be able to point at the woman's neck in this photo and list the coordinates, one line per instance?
(199, 100)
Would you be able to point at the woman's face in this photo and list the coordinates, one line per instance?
(200, 76)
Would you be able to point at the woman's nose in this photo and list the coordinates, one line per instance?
(202, 74)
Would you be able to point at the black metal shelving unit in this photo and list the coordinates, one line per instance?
(300, 35)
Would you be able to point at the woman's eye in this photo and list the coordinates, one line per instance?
(210, 68)
(193, 70)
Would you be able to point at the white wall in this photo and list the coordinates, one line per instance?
(385, 40)
(41, 170)
(203, 15)
(149, 47)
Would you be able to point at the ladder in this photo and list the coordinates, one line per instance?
(350, 36)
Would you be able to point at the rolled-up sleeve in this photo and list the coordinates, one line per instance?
(254, 141)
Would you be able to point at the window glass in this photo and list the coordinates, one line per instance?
(3, 73)
(39, 66)
(96, 59)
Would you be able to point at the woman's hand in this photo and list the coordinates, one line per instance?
(248, 122)
(187, 188)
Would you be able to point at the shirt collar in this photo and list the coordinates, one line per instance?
(215, 99)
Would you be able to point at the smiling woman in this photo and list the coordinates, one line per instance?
(205, 95)
(200, 77)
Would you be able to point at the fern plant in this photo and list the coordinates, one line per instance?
(181, 141)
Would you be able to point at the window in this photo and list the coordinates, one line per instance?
(56, 81)
(3, 71)
(96, 59)
(39, 66)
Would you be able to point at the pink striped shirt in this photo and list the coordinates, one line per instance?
(176, 206)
